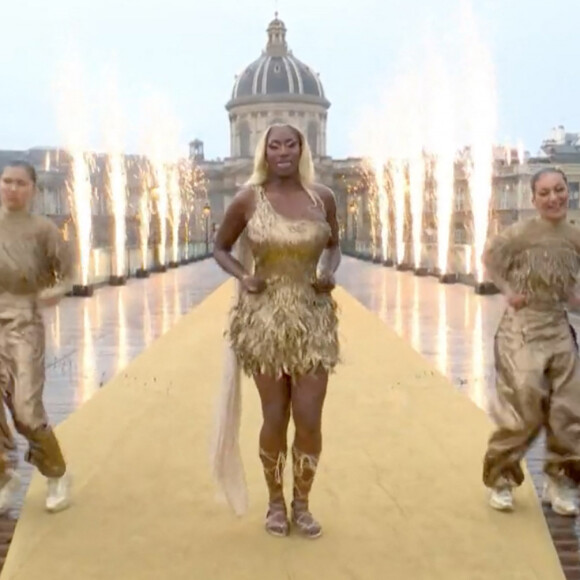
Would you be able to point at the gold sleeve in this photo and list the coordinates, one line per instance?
(499, 253)
(59, 263)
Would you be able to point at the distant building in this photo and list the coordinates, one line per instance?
(276, 87)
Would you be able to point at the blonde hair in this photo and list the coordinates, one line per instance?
(305, 164)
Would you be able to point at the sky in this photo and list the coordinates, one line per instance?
(188, 51)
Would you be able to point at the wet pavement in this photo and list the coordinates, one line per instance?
(91, 339)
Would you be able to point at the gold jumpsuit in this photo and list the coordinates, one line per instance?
(537, 370)
(34, 261)
(289, 328)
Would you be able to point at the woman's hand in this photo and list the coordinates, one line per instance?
(253, 284)
(324, 283)
(517, 301)
(49, 301)
(574, 300)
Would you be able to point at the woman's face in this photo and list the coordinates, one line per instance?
(16, 188)
(551, 196)
(283, 151)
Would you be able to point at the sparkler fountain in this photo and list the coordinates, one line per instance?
(481, 99)
(118, 193)
(397, 170)
(160, 145)
(417, 193)
(117, 183)
(373, 210)
(383, 214)
(411, 138)
(80, 199)
(144, 213)
(187, 175)
(73, 121)
(175, 205)
(160, 198)
(442, 145)
(421, 154)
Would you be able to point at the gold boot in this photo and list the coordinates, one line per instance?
(305, 466)
(276, 523)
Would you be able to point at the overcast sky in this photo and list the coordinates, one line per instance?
(190, 50)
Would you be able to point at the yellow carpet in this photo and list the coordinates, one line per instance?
(398, 489)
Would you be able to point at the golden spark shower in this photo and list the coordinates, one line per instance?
(438, 120)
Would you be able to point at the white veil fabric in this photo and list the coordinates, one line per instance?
(225, 456)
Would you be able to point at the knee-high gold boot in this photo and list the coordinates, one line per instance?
(276, 518)
(304, 467)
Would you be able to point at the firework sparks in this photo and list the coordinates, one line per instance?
(521, 153)
(117, 174)
(383, 206)
(399, 183)
(161, 141)
(175, 204)
(442, 146)
(481, 100)
(144, 212)
(371, 140)
(72, 118)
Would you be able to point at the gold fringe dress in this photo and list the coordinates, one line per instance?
(537, 370)
(289, 329)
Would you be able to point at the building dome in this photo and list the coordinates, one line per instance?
(276, 88)
(277, 75)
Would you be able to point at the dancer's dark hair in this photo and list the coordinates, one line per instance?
(28, 167)
(546, 171)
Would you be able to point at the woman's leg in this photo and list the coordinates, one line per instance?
(521, 400)
(275, 398)
(563, 433)
(24, 397)
(308, 395)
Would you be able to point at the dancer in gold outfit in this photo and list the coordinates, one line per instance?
(283, 328)
(535, 264)
(35, 266)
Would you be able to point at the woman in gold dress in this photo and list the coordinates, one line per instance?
(35, 269)
(283, 327)
(535, 264)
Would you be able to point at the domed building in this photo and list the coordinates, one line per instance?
(277, 87)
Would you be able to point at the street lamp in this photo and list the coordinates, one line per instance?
(352, 208)
(206, 213)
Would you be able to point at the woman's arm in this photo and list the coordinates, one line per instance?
(498, 257)
(59, 257)
(331, 256)
(232, 226)
(574, 298)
